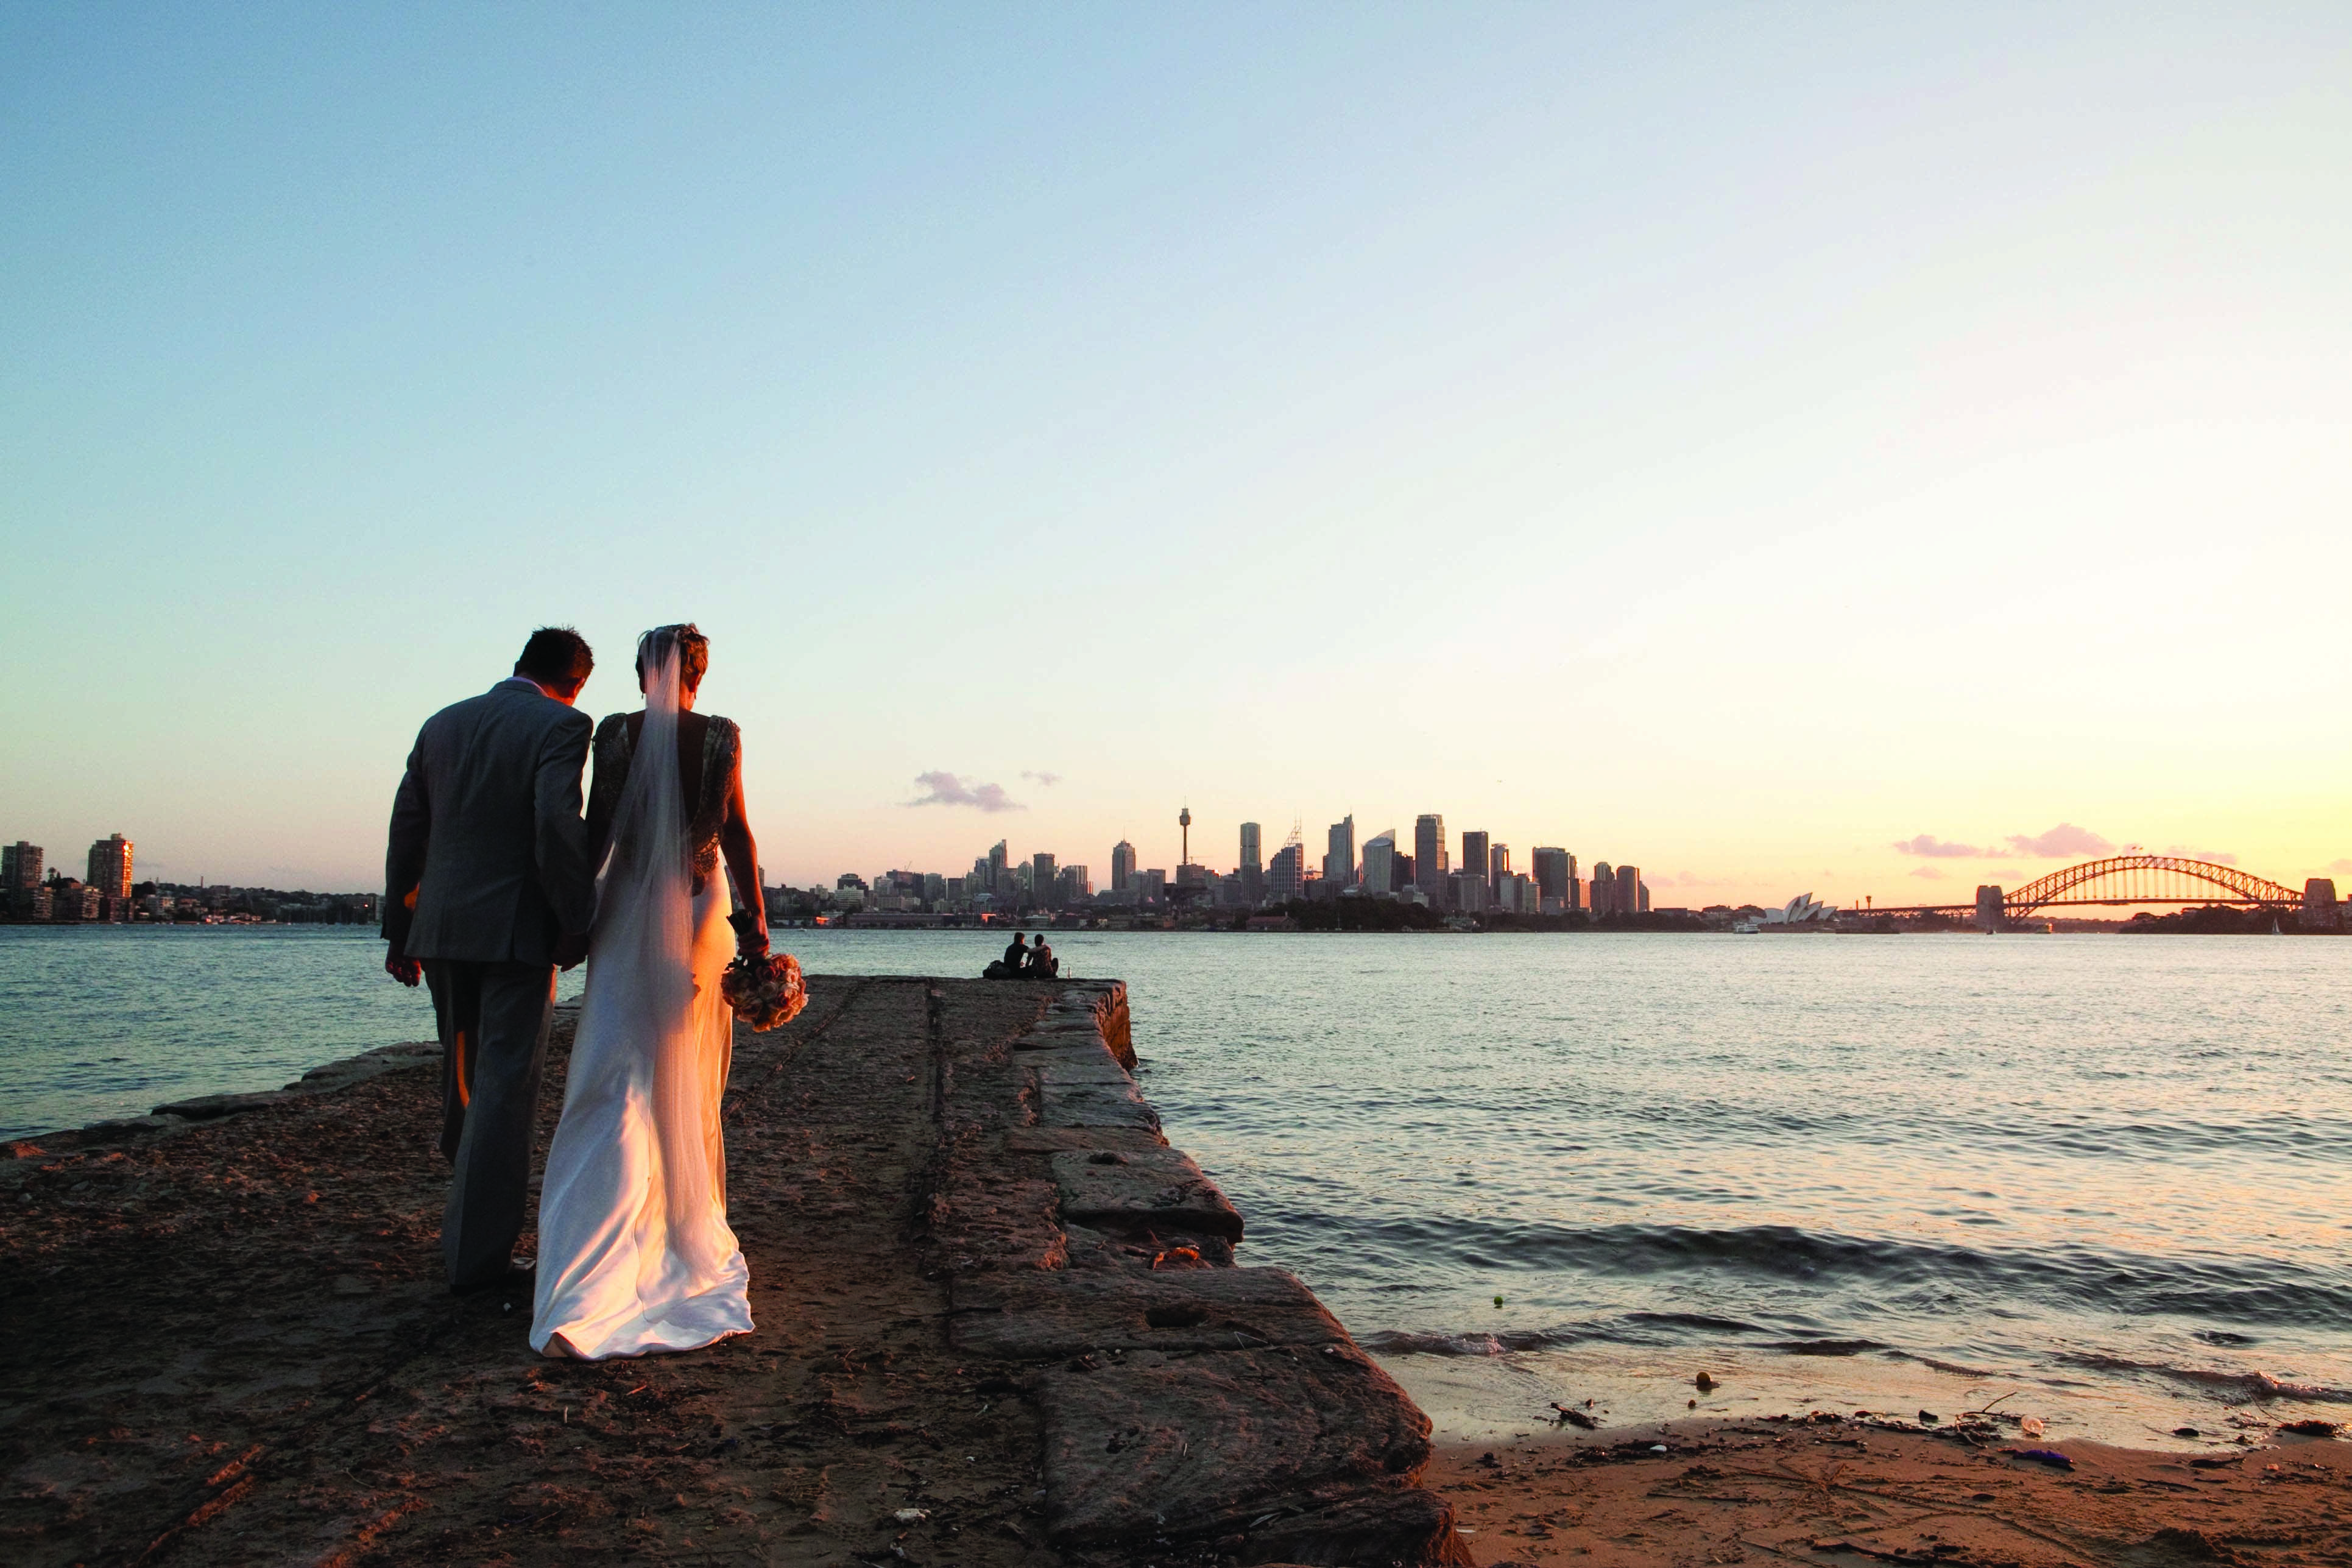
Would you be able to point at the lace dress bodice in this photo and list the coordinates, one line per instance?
(722, 756)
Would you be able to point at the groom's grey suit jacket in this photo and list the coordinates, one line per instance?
(486, 837)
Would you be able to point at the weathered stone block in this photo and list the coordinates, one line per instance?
(1197, 1445)
(1051, 1317)
(1092, 1065)
(1111, 1188)
(1094, 1105)
(1056, 1139)
(1405, 1525)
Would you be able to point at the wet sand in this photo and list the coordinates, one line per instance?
(1840, 1491)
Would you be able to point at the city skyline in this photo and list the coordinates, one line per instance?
(1848, 398)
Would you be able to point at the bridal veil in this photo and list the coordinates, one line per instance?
(634, 1252)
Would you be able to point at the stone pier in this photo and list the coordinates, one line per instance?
(999, 1322)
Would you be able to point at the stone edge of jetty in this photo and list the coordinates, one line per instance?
(1187, 1403)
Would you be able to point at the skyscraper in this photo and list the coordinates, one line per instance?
(1252, 871)
(1286, 875)
(1339, 861)
(1380, 864)
(1122, 865)
(1605, 891)
(996, 882)
(1498, 865)
(1430, 859)
(1630, 891)
(20, 865)
(1042, 884)
(1555, 870)
(1475, 854)
(1251, 860)
(110, 866)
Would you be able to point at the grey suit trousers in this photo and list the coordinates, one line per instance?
(494, 1020)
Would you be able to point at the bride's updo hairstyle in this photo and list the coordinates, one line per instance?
(693, 652)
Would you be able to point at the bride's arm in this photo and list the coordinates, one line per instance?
(742, 856)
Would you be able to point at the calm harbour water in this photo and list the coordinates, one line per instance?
(2111, 1173)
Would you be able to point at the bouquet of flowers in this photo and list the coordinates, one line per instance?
(764, 989)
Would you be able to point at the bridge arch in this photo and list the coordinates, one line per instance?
(2148, 879)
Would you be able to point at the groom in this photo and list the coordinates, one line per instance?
(489, 889)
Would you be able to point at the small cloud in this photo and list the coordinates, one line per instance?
(1049, 780)
(2060, 842)
(1935, 849)
(2340, 867)
(1929, 872)
(941, 788)
(2190, 852)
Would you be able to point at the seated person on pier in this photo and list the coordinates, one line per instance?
(1014, 961)
(1043, 964)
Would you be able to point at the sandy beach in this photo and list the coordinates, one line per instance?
(1847, 1491)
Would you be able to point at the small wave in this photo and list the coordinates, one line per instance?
(2254, 1386)
(1407, 1342)
(1823, 1347)
(1954, 1368)
(1696, 1321)
(1879, 1273)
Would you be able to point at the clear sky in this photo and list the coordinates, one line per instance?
(1733, 440)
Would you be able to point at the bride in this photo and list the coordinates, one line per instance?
(634, 1253)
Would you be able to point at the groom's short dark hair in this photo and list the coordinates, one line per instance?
(556, 656)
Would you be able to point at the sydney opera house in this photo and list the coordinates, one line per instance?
(1800, 910)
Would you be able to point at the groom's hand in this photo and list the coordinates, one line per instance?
(401, 967)
(570, 949)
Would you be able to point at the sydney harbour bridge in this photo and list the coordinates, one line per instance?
(2126, 879)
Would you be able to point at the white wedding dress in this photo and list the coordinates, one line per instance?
(634, 1252)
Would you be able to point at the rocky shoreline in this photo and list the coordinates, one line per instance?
(999, 1322)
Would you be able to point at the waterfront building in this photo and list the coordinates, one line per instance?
(1340, 862)
(1287, 875)
(1251, 872)
(1632, 899)
(1078, 886)
(1555, 874)
(1122, 865)
(1477, 857)
(1428, 856)
(996, 859)
(1806, 910)
(935, 888)
(1380, 864)
(1043, 882)
(1154, 885)
(1469, 893)
(1498, 865)
(20, 866)
(1605, 891)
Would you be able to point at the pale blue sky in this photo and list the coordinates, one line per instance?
(1725, 439)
